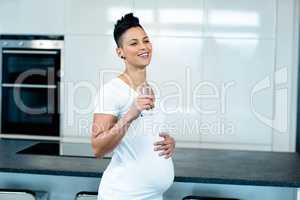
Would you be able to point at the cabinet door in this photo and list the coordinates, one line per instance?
(32, 17)
(235, 67)
(94, 16)
(90, 61)
(175, 70)
(179, 18)
(240, 19)
(240, 57)
(286, 81)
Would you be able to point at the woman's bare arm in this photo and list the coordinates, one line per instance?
(108, 131)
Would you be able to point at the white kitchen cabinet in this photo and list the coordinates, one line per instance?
(175, 70)
(88, 60)
(206, 47)
(235, 67)
(94, 16)
(179, 18)
(217, 66)
(32, 17)
(240, 19)
(286, 71)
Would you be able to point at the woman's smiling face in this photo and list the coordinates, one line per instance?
(135, 47)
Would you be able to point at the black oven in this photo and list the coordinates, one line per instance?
(30, 67)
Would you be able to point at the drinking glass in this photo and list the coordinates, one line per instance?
(145, 89)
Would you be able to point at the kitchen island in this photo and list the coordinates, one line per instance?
(229, 167)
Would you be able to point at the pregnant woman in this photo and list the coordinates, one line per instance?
(126, 122)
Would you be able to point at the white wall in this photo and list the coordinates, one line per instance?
(213, 54)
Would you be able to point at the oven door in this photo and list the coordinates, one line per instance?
(29, 89)
(24, 66)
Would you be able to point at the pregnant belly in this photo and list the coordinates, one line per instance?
(148, 176)
(155, 172)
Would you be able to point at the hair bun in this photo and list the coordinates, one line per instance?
(131, 18)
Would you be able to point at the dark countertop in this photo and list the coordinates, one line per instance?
(191, 165)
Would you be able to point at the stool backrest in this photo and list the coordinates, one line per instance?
(86, 196)
(16, 195)
(191, 197)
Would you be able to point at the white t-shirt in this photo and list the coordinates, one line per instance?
(136, 171)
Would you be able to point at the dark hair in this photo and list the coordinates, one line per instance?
(126, 22)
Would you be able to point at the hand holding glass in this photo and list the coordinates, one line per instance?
(145, 89)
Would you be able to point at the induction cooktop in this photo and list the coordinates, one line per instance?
(60, 149)
(42, 148)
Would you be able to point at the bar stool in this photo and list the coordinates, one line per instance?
(17, 195)
(86, 196)
(191, 197)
